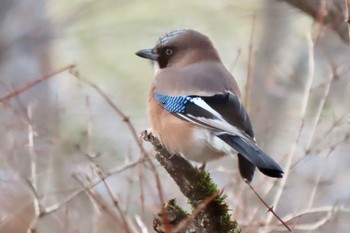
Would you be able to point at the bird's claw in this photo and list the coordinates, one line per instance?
(147, 135)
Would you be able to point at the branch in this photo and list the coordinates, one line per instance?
(325, 12)
(209, 210)
(34, 83)
(132, 130)
(269, 208)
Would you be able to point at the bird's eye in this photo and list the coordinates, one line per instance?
(168, 52)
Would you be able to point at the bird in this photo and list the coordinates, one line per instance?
(194, 105)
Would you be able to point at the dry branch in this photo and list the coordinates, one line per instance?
(34, 83)
(329, 13)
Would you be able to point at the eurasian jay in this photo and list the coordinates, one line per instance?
(194, 105)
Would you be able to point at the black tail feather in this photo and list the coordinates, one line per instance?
(246, 168)
(251, 153)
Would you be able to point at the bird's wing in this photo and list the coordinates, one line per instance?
(225, 115)
(207, 111)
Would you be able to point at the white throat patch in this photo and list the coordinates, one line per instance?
(156, 68)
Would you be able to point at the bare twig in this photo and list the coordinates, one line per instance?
(236, 60)
(33, 168)
(316, 120)
(334, 17)
(321, 13)
(336, 123)
(250, 66)
(347, 17)
(141, 224)
(268, 187)
(55, 207)
(33, 173)
(195, 212)
(34, 83)
(269, 208)
(113, 198)
(317, 210)
(131, 127)
(314, 225)
(319, 111)
(329, 149)
(94, 183)
(115, 108)
(302, 115)
(329, 211)
(141, 183)
(97, 200)
(315, 187)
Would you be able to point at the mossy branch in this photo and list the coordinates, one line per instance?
(209, 210)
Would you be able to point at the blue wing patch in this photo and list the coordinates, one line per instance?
(173, 104)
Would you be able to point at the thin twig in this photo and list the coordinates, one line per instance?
(336, 123)
(312, 196)
(334, 17)
(318, 178)
(347, 18)
(319, 110)
(132, 130)
(268, 185)
(93, 197)
(236, 60)
(321, 13)
(269, 208)
(305, 101)
(113, 198)
(250, 66)
(195, 212)
(314, 225)
(141, 224)
(88, 128)
(142, 193)
(55, 207)
(317, 210)
(31, 84)
(33, 172)
(330, 148)
(316, 120)
(32, 154)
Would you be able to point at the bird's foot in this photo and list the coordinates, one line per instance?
(147, 135)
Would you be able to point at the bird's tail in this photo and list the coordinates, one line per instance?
(250, 156)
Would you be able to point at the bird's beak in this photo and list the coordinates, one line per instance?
(148, 54)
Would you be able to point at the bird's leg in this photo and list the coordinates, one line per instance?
(202, 167)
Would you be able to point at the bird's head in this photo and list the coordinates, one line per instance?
(180, 48)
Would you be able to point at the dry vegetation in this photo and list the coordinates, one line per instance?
(72, 159)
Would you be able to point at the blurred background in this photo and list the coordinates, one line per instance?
(61, 136)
